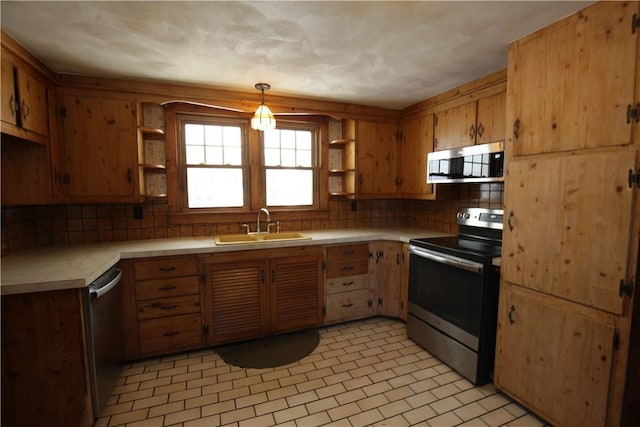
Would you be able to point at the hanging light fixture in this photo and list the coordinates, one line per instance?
(263, 118)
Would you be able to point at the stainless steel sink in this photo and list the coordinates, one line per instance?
(234, 239)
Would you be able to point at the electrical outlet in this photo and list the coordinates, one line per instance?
(137, 212)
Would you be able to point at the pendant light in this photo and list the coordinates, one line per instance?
(263, 118)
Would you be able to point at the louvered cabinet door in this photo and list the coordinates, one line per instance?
(237, 298)
(296, 292)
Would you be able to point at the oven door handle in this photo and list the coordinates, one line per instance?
(472, 266)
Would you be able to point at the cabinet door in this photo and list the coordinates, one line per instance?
(417, 142)
(237, 300)
(386, 275)
(553, 358)
(455, 127)
(491, 118)
(570, 85)
(377, 161)
(100, 147)
(8, 101)
(296, 292)
(569, 225)
(404, 283)
(34, 108)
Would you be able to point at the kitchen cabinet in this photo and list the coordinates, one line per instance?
(563, 366)
(417, 142)
(476, 122)
(386, 275)
(571, 84)
(377, 159)
(163, 311)
(348, 293)
(254, 293)
(24, 111)
(45, 376)
(569, 172)
(100, 149)
(404, 283)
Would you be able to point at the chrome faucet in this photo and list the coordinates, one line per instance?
(266, 211)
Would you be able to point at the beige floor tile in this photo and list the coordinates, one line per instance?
(118, 408)
(281, 392)
(372, 402)
(470, 411)
(357, 383)
(290, 414)
(392, 409)
(343, 411)
(166, 408)
(366, 418)
(134, 395)
(207, 399)
(302, 398)
(212, 421)
(322, 405)
(182, 416)
(417, 415)
(529, 420)
(237, 415)
(171, 372)
(445, 405)
(234, 393)
(150, 422)
(271, 406)
(310, 385)
(497, 417)
(494, 401)
(218, 408)
(148, 402)
(261, 421)
(317, 419)
(129, 417)
(444, 420)
(397, 421)
(350, 396)
(251, 400)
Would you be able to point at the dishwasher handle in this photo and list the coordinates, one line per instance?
(105, 283)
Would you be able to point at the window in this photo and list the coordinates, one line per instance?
(214, 165)
(289, 167)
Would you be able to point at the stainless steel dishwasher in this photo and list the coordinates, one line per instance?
(104, 336)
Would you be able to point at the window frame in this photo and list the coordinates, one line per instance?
(316, 145)
(183, 119)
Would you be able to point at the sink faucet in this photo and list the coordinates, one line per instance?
(266, 211)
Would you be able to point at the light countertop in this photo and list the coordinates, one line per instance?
(66, 267)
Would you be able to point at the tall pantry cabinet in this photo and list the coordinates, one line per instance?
(570, 244)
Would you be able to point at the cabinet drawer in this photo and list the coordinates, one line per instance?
(166, 267)
(348, 305)
(164, 307)
(347, 283)
(170, 333)
(162, 288)
(347, 268)
(343, 252)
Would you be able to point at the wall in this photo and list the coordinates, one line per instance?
(30, 226)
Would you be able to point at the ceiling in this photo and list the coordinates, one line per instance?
(386, 54)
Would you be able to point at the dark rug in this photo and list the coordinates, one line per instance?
(272, 351)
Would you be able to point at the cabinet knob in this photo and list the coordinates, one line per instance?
(480, 130)
(516, 129)
(472, 131)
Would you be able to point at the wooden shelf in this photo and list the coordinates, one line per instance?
(149, 167)
(341, 171)
(343, 141)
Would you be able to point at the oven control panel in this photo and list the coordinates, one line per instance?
(481, 217)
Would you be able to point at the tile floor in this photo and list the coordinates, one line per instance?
(362, 373)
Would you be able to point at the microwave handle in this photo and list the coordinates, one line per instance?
(472, 266)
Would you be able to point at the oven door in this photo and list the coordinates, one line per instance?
(447, 293)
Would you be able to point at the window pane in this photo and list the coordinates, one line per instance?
(213, 135)
(232, 156)
(303, 140)
(213, 155)
(218, 145)
(288, 158)
(288, 138)
(289, 187)
(272, 138)
(194, 134)
(195, 155)
(272, 157)
(214, 187)
(304, 158)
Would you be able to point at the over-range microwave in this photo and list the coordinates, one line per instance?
(475, 163)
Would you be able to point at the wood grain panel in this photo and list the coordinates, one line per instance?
(347, 283)
(171, 287)
(342, 252)
(455, 127)
(172, 333)
(158, 268)
(417, 142)
(347, 268)
(173, 306)
(349, 305)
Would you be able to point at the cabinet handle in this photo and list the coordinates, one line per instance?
(167, 288)
(167, 269)
(509, 223)
(347, 283)
(347, 252)
(129, 176)
(347, 305)
(480, 130)
(170, 334)
(472, 131)
(511, 311)
(13, 106)
(516, 129)
(397, 259)
(26, 111)
(348, 268)
(168, 307)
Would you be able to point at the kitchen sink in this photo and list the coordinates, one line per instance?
(233, 239)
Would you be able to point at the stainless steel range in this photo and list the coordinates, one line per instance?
(453, 293)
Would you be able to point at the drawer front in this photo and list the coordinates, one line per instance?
(166, 267)
(347, 268)
(163, 307)
(348, 306)
(171, 287)
(343, 252)
(170, 333)
(347, 283)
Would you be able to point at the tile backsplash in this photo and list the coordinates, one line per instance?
(25, 227)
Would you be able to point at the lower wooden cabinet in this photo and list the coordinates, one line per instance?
(386, 276)
(554, 356)
(249, 294)
(348, 295)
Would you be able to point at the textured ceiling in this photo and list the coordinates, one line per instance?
(387, 54)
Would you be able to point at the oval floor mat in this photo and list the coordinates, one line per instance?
(272, 351)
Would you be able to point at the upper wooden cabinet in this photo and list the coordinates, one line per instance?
(476, 122)
(100, 149)
(24, 108)
(377, 159)
(417, 142)
(570, 85)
